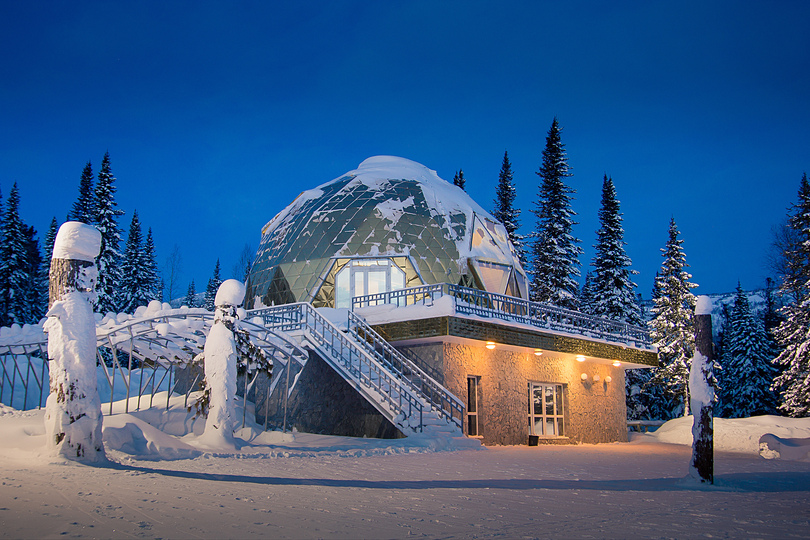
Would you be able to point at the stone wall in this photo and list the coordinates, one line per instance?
(595, 412)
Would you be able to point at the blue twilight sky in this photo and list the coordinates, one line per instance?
(217, 114)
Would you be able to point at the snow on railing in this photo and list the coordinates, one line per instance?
(395, 398)
(492, 305)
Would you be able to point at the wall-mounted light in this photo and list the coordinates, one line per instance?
(580, 358)
(584, 376)
(538, 352)
(596, 378)
(490, 345)
(616, 363)
(608, 379)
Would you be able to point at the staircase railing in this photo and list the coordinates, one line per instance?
(442, 400)
(396, 399)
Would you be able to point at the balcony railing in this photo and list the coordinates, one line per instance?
(509, 308)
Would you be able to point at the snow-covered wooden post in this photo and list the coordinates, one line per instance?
(221, 355)
(702, 394)
(73, 410)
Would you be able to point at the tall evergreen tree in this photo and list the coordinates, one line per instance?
(555, 251)
(36, 288)
(613, 295)
(672, 326)
(153, 280)
(458, 180)
(586, 295)
(504, 207)
(747, 374)
(793, 334)
(50, 240)
(134, 288)
(191, 300)
(84, 208)
(109, 257)
(213, 286)
(13, 266)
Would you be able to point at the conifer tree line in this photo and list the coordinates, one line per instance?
(126, 280)
(762, 361)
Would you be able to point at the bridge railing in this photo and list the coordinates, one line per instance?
(499, 306)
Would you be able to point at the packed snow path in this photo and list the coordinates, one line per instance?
(628, 490)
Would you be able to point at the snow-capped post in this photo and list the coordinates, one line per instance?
(701, 392)
(73, 410)
(221, 355)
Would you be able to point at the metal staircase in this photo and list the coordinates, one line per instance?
(392, 383)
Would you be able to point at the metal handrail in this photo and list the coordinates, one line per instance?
(440, 398)
(356, 363)
(500, 306)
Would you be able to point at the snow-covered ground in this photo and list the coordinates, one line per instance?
(162, 481)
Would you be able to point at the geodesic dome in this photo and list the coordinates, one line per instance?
(391, 223)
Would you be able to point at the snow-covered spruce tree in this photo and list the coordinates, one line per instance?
(135, 287)
(458, 180)
(211, 290)
(613, 293)
(504, 208)
(73, 418)
(793, 384)
(190, 295)
(747, 373)
(153, 280)
(84, 207)
(722, 360)
(585, 302)
(555, 252)
(36, 288)
(13, 263)
(672, 326)
(109, 258)
(50, 238)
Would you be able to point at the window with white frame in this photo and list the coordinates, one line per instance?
(360, 277)
(546, 411)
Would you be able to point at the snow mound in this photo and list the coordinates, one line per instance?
(773, 447)
(735, 434)
(130, 435)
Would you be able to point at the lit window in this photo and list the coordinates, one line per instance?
(546, 410)
(361, 277)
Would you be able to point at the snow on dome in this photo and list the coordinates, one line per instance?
(230, 293)
(77, 241)
(401, 218)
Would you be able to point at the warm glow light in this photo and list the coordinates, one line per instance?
(580, 358)
(608, 379)
(490, 345)
(596, 378)
(616, 363)
(584, 376)
(538, 352)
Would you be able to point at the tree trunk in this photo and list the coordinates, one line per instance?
(65, 275)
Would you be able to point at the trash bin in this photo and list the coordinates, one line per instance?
(534, 440)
